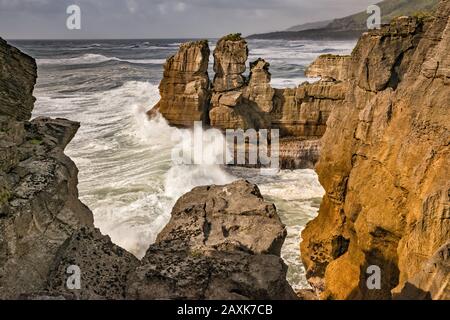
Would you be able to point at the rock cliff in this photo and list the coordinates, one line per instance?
(222, 242)
(329, 67)
(230, 57)
(17, 79)
(385, 165)
(39, 206)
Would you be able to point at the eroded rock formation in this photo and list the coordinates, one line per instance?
(385, 166)
(184, 88)
(330, 67)
(230, 57)
(239, 102)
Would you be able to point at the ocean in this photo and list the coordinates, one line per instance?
(126, 175)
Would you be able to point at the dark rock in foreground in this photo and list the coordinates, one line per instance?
(223, 242)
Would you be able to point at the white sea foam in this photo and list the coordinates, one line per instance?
(92, 58)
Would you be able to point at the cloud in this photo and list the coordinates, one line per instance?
(132, 6)
(180, 7)
(165, 18)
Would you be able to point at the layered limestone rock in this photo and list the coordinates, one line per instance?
(230, 56)
(184, 88)
(295, 153)
(248, 108)
(303, 112)
(385, 165)
(432, 281)
(17, 79)
(222, 242)
(244, 103)
(329, 67)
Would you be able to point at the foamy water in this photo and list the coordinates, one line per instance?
(126, 175)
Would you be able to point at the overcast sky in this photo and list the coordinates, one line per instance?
(46, 19)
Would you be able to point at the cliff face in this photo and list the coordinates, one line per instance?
(385, 167)
(39, 206)
(230, 57)
(330, 67)
(17, 79)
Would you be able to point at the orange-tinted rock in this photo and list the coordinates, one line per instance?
(230, 57)
(329, 67)
(385, 164)
(184, 88)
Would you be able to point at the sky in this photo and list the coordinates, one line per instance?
(122, 19)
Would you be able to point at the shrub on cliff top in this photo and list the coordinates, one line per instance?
(421, 15)
(233, 37)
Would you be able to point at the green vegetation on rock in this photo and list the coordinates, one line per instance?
(36, 142)
(4, 196)
(233, 37)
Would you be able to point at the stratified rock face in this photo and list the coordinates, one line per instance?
(295, 153)
(184, 88)
(17, 78)
(329, 67)
(240, 103)
(385, 164)
(303, 112)
(248, 108)
(223, 242)
(230, 57)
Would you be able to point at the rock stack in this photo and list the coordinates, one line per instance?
(184, 88)
(239, 102)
